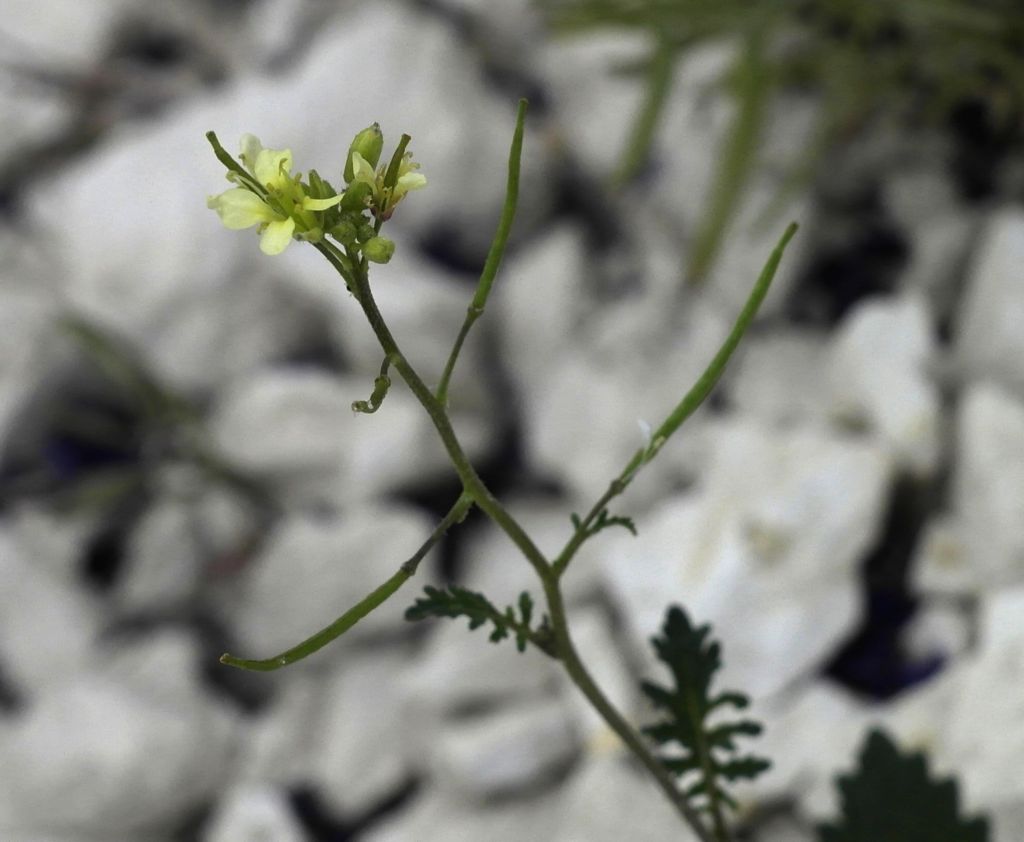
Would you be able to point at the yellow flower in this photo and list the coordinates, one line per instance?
(384, 199)
(280, 208)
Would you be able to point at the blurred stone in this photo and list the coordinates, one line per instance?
(314, 569)
(810, 736)
(164, 559)
(495, 566)
(595, 105)
(607, 800)
(985, 737)
(295, 428)
(48, 624)
(459, 671)
(440, 816)
(938, 631)
(364, 749)
(286, 426)
(988, 485)
(766, 549)
(942, 562)
(124, 762)
(513, 749)
(277, 747)
(599, 649)
(990, 343)
(68, 31)
(879, 376)
(780, 378)
(254, 814)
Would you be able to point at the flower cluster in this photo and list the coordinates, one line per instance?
(285, 207)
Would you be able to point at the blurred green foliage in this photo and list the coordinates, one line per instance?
(912, 62)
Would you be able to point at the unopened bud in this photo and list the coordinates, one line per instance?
(369, 143)
(379, 249)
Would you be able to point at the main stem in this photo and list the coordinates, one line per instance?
(471, 481)
(475, 487)
(627, 733)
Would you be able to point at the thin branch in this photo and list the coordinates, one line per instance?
(494, 256)
(371, 601)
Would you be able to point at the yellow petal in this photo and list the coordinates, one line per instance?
(239, 208)
(251, 148)
(321, 204)
(277, 235)
(363, 171)
(407, 182)
(272, 166)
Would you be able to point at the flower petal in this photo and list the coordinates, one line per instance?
(272, 166)
(277, 235)
(240, 208)
(251, 148)
(321, 204)
(363, 171)
(409, 181)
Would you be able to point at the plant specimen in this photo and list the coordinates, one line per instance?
(345, 227)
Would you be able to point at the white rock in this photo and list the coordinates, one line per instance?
(496, 567)
(989, 341)
(766, 551)
(784, 829)
(606, 662)
(277, 747)
(48, 624)
(879, 375)
(780, 378)
(988, 484)
(939, 248)
(314, 569)
(66, 29)
(123, 762)
(28, 312)
(938, 631)
(586, 419)
(364, 749)
(809, 737)
(942, 563)
(296, 429)
(985, 737)
(608, 801)
(459, 671)
(165, 560)
(286, 426)
(52, 539)
(254, 814)
(514, 749)
(439, 816)
(595, 106)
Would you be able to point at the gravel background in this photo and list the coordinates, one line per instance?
(180, 471)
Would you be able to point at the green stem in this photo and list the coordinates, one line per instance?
(630, 737)
(471, 481)
(494, 256)
(686, 407)
(659, 84)
(704, 755)
(753, 84)
(371, 601)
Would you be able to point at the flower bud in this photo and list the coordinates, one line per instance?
(345, 232)
(369, 143)
(379, 249)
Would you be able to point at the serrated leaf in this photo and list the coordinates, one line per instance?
(891, 798)
(710, 751)
(456, 602)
